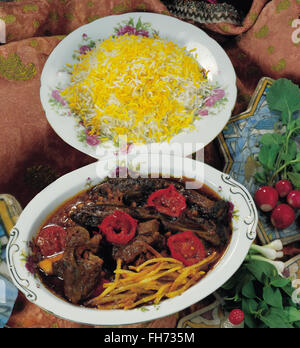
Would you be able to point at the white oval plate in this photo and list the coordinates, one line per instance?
(244, 232)
(210, 55)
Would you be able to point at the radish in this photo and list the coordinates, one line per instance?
(293, 199)
(236, 317)
(283, 187)
(266, 198)
(283, 216)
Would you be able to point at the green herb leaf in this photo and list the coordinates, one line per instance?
(268, 154)
(248, 290)
(249, 306)
(272, 297)
(295, 124)
(261, 177)
(293, 314)
(262, 308)
(280, 282)
(271, 139)
(292, 151)
(284, 96)
(250, 321)
(288, 289)
(295, 179)
(276, 319)
(260, 270)
(296, 167)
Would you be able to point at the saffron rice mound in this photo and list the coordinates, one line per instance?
(147, 89)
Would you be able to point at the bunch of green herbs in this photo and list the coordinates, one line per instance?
(265, 297)
(279, 156)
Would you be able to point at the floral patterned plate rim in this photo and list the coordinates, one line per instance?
(213, 116)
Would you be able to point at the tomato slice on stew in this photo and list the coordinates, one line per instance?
(119, 227)
(168, 201)
(187, 248)
(51, 240)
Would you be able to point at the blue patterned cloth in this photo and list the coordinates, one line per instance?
(8, 292)
(8, 296)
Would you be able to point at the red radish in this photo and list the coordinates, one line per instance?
(284, 187)
(283, 216)
(266, 198)
(236, 317)
(293, 199)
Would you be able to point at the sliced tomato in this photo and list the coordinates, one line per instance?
(51, 240)
(186, 247)
(168, 201)
(119, 227)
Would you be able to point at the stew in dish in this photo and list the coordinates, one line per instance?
(128, 242)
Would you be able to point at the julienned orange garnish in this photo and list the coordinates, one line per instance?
(152, 281)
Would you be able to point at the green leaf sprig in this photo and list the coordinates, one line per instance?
(261, 291)
(263, 295)
(279, 155)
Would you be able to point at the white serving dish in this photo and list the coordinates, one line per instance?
(33, 216)
(210, 55)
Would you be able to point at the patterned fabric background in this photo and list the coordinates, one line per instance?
(32, 155)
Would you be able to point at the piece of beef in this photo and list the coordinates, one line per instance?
(148, 228)
(147, 235)
(129, 191)
(79, 268)
(207, 232)
(91, 216)
(220, 213)
(213, 227)
(198, 201)
(129, 252)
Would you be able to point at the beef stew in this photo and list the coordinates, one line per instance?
(124, 227)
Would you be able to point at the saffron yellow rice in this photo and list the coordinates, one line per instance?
(147, 89)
